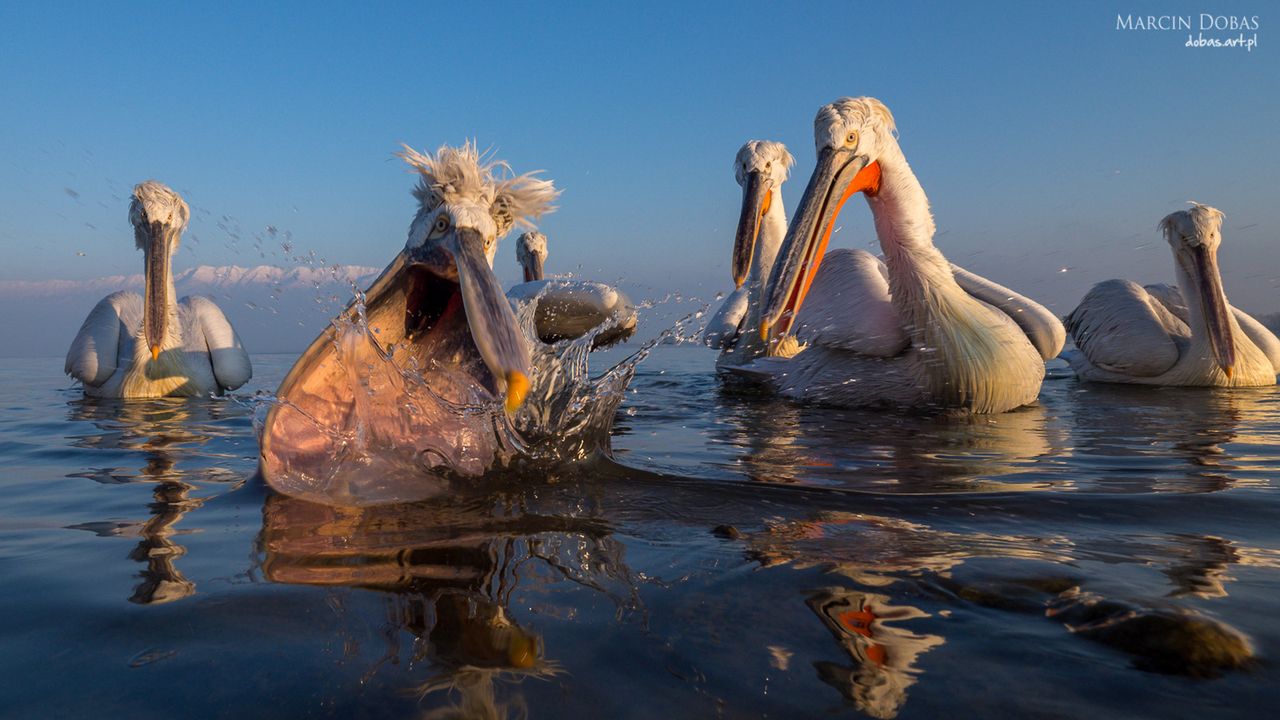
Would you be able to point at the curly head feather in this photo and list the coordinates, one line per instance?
(462, 175)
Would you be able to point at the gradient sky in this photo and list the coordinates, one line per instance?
(1045, 138)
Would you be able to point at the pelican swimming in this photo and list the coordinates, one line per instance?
(761, 167)
(151, 345)
(911, 331)
(1184, 335)
(413, 365)
(569, 308)
(531, 253)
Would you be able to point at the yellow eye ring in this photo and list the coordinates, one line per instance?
(440, 225)
(852, 138)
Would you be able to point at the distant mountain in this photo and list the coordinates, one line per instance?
(275, 309)
(200, 279)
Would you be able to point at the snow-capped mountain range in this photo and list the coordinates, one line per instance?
(203, 278)
(274, 309)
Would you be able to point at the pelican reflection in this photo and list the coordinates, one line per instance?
(1195, 566)
(884, 654)
(784, 442)
(168, 434)
(449, 568)
(866, 614)
(1175, 440)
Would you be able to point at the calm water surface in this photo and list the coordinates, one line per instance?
(741, 557)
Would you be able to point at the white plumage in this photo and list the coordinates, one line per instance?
(189, 349)
(1163, 335)
(725, 326)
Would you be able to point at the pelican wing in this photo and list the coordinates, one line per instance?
(94, 354)
(569, 309)
(1171, 297)
(1042, 328)
(1121, 327)
(726, 325)
(231, 366)
(848, 307)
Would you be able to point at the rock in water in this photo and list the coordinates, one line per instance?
(1166, 640)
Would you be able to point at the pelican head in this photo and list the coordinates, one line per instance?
(531, 252)
(761, 166)
(850, 135)
(1195, 235)
(465, 205)
(159, 216)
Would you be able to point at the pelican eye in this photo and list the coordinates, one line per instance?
(852, 138)
(440, 226)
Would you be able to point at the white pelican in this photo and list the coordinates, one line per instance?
(531, 253)
(135, 346)
(911, 331)
(569, 308)
(433, 339)
(761, 167)
(1161, 335)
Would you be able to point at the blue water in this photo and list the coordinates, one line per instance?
(739, 557)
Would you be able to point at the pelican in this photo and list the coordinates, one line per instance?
(136, 346)
(434, 339)
(531, 253)
(761, 167)
(1184, 335)
(569, 308)
(910, 332)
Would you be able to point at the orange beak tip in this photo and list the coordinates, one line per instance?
(517, 389)
(1228, 371)
(155, 353)
(764, 332)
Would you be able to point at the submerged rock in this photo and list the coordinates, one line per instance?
(728, 532)
(1163, 639)
(1167, 640)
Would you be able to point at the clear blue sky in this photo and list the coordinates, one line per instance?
(1044, 137)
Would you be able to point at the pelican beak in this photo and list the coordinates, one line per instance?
(1213, 303)
(155, 322)
(757, 195)
(532, 267)
(493, 325)
(840, 174)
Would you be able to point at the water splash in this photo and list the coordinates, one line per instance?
(391, 423)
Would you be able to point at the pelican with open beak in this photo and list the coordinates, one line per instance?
(1184, 335)
(440, 339)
